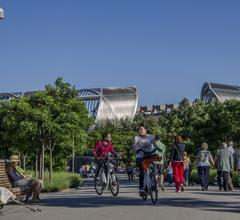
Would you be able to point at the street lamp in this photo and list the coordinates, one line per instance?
(1, 13)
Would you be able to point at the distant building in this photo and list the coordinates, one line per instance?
(220, 92)
(157, 109)
(104, 104)
(110, 104)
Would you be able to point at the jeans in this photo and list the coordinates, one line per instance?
(141, 172)
(170, 178)
(203, 172)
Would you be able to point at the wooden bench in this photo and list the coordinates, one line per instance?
(22, 193)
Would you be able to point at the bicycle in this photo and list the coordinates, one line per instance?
(107, 177)
(150, 181)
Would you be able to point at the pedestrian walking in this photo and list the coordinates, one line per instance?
(169, 174)
(177, 162)
(129, 170)
(204, 162)
(224, 165)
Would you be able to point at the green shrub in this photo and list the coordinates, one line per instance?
(236, 179)
(75, 181)
(60, 181)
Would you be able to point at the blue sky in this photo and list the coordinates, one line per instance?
(168, 49)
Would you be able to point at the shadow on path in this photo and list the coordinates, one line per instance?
(110, 201)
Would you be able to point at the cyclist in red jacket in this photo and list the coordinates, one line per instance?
(102, 149)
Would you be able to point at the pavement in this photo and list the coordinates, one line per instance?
(84, 204)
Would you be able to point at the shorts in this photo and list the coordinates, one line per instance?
(23, 183)
(159, 169)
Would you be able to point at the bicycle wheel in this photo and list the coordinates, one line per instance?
(98, 185)
(153, 189)
(114, 185)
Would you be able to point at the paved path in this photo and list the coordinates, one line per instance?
(83, 204)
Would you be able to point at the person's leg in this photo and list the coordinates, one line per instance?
(181, 175)
(161, 176)
(204, 177)
(225, 181)
(131, 175)
(128, 173)
(219, 178)
(141, 172)
(99, 166)
(230, 181)
(36, 190)
(170, 176)
(186, 175)
(201, 176)
(176, 175)
(207, 170)
(39, 189)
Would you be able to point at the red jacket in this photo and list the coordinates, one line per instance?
(101, 149)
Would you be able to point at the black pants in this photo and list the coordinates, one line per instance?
(141, 172)
(130, 176)
(99, 164)
(223, 178)
(203, 172)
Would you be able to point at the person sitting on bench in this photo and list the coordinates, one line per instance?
(19, 180)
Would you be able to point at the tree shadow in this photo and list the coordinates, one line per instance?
(207, 205)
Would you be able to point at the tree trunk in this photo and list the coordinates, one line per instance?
(73, 154)
(42, 161)
(20, 161)
(36, 166)
(51, 164)
(40, 164)
(24, 162)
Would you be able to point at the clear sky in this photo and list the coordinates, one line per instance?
(167, 48)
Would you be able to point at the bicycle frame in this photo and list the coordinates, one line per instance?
(147, 181)
(150, 182)
(107, 178)
(110, 168)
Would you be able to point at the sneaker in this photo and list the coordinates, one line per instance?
(203, 189)
(182, 188)
(141, 191)
(178, 191)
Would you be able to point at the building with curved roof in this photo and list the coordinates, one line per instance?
(110, 104)
(220, 92)
(104, 104)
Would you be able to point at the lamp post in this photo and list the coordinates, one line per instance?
(1, 13)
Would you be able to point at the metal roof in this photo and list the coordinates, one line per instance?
(221, 92)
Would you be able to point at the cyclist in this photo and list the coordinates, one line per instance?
(102, 148)
(145, 142)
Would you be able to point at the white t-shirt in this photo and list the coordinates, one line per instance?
(145, 143)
